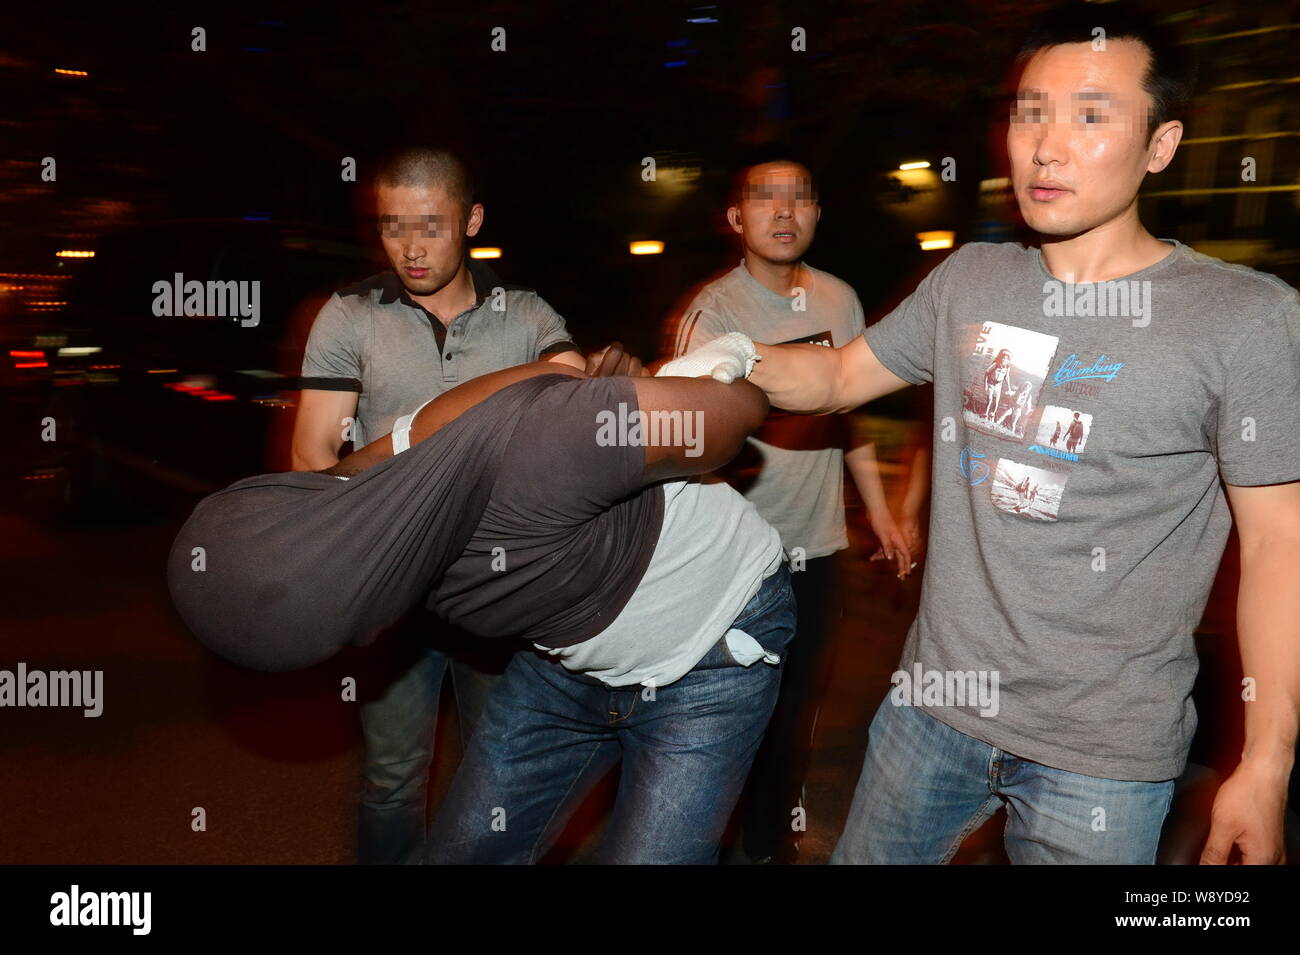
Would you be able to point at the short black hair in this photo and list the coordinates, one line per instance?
(1171, 71)
(764, 156)
(425, 166)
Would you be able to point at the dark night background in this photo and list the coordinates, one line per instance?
(556, 126)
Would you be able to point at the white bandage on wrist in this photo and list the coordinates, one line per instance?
(402, 433)
(726, 358)
(402, 430)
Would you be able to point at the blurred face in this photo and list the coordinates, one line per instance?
(778, 212)
(1078, 140)
(423, 231)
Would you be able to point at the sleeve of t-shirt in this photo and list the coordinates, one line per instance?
(700, 323)
(550, 333)
(332, 361)
(1259, 413)
(570, 458)
(903, 340)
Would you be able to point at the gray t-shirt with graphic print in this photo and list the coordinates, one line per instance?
(1081, 433)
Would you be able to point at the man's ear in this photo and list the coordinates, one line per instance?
(733, 217)
(475, 219)
(1165, 141)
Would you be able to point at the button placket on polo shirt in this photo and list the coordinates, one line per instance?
(446, 356)
(454, 329)
(449, 356)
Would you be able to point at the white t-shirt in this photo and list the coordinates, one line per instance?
(713, 554)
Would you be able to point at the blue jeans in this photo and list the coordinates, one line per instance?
(398, 732)
(547, 735)
(925, 787)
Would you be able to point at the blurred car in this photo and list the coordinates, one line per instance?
(143, 402)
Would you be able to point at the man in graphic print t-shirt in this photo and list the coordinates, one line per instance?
(1050, 665)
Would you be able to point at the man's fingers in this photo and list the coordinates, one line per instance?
(1218, 845)
(1260, 851)
(904, 559)
(613, 356)
(606, 362)
(614, 360)
(593, 361)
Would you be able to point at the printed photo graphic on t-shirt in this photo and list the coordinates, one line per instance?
(1062, 433)
(1004, 373)
(1027, 491)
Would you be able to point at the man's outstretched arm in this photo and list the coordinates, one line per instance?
(816, 379)
(1248, 810)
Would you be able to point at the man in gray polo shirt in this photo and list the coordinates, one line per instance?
(792, 470)
(376, 351)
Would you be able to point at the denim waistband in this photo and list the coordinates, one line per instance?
(773, 588)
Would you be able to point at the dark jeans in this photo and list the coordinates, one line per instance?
(776, 782)
(398, 726)
(547, 735)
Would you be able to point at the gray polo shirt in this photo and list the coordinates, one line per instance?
(374, 339)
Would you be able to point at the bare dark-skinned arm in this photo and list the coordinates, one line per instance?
(446, 408)
(725, 415)
(721, 416)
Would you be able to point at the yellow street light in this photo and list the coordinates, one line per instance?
(935, 240)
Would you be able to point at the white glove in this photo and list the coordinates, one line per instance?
(727, 358)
